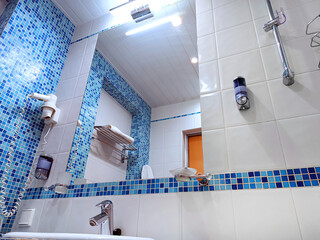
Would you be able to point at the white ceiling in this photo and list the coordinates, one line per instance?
(156, 62)
(82, 11)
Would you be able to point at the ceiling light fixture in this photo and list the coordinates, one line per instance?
(124, 10)
(175, 20)
(194, 60)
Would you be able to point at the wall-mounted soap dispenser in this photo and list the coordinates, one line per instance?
(241, 94)
(43, 167)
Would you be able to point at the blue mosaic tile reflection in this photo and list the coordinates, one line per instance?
(277, 179)
(174, 117)
(33, 48)
(103, 75)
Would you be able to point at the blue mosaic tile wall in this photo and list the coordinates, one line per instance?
(103, 75)
(33, 48)
(270, 179)
(87, 117)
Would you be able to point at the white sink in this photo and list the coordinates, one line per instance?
(69, 236)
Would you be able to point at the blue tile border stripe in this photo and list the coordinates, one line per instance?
(93, 34)
(179, 116)
(269, 179)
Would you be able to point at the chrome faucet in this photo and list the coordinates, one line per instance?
(105, 218)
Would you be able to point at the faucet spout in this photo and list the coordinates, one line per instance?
(98, 219)
(104, 219)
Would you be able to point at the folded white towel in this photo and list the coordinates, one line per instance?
(146, 172)
(119, 133)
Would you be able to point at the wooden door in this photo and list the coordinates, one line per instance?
(195, 153)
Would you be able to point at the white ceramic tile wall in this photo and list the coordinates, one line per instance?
(215, 156)
(301, 139)
(52, 210)
(278, 214)
(207, 216)
(165, 220)
(265, 214)
(207, 48)
(223, 20)
(209, 77)
(166, 138)
(212, 115)
(70, 92)
(306, 202)
(281, 129)
(264, 151)
(247, 64)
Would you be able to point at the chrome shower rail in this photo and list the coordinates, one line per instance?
(288, 75)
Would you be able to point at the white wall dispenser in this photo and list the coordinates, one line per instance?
(26, 217)
(50, 112)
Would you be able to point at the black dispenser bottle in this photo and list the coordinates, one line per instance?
(44, 166)
(241, 94)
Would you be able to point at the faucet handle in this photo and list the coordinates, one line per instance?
(104, 203)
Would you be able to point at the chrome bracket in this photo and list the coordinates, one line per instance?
(275, 21)
(269, 25)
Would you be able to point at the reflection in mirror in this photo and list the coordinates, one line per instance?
(3, 5)
(143, 84)
(6, 10)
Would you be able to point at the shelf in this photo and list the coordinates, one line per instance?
(114, 138)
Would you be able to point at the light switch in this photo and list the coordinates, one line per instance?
(26, 217)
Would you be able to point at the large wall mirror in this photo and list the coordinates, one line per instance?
(143, 82)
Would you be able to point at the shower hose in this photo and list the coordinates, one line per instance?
(4, 208)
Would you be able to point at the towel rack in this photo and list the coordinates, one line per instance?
(114, 139)
(315, 40)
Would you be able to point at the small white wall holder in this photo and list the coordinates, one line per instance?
(26, 217)
(50, 112)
